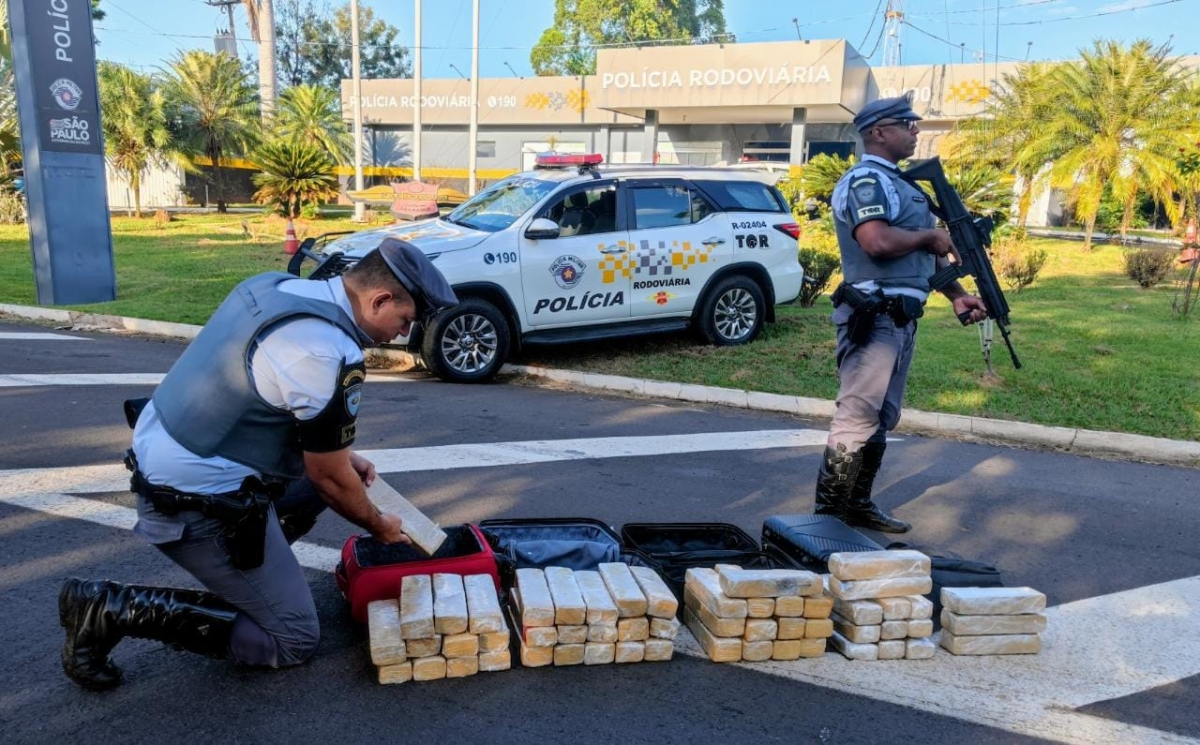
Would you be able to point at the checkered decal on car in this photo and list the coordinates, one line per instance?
(611, 266)
(653, 261)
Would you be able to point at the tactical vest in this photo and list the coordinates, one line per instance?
(208, 402)
(913, 270)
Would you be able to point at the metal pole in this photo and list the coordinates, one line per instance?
(473, 146)
(417, 75)
(356, 75)
(266, 56)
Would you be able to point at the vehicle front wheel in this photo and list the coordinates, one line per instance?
(467, 343)
(732, 312)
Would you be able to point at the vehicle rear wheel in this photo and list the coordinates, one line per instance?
(467, 343)
(732, 312)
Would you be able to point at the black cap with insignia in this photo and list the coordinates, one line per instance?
(429, 289)
(899, 108)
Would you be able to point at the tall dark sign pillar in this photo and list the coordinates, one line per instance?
(59, 104)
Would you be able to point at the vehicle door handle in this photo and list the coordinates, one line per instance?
(613, 250)
(714, 241)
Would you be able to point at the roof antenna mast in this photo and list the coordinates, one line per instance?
(893, 23)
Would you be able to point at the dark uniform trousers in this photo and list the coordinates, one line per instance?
(277, 623)
(872, 379)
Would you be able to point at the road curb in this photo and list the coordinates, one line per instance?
(1074, 440)
(81, 320)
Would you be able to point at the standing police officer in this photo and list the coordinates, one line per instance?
(890, 247)
(243, 445)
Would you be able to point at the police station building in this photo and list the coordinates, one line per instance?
(696, 105)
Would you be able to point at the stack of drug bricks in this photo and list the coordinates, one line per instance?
(442, 626)
(879, 608)
(757, 614)
(992, 620)
(615, 614)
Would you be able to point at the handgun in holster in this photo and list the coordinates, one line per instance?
(865, 306)
(902, 309)
(246, 533)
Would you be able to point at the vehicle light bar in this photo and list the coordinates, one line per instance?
(567, 160)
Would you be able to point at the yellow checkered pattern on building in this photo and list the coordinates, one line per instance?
(968, 91)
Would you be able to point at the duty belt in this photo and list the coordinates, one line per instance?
(902, 309)
(867, 306)
(226, 507)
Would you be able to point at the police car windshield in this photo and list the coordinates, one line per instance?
(499, 206)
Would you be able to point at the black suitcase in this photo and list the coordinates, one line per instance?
(808, 540)
(673, 548)
(672, 538)
(579, 543)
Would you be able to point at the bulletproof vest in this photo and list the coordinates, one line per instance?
(208, 402)
(913, 270)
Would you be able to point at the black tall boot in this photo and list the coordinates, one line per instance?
(861, 512)
(839, 470)
(97, 614)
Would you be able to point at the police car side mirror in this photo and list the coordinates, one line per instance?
(541, 228)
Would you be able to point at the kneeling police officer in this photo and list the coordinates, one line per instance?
(242, 446)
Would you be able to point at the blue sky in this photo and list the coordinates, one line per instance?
(147, 33)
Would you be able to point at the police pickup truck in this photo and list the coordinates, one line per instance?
(575, 250)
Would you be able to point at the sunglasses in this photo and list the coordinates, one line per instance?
(910, 124)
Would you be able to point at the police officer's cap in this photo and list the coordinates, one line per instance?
(899, 108)
(418, 275)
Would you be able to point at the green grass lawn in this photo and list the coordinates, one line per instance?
(1099, 352)
(177, 271)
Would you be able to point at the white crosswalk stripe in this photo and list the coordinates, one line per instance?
(32, 380)
(110, 478)
(35, 336)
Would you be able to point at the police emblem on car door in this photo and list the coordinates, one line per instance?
(573, 278)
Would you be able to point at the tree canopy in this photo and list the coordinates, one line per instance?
(136, 132)
(314, 45)
(569, 46)
(1108, 130)
(217, 109)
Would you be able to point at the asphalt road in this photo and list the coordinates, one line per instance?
(1073, 527)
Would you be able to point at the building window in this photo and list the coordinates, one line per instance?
(485, 149)
(778, 151)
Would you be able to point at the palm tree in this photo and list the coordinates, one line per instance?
(134, 122)
(821, 174)
(1116, 120)
(314, 115)
(985, 189)
(1001, 136)
(10, 131)
(294, 173)
(217, 107)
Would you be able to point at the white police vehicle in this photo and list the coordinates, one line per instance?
(573, 251)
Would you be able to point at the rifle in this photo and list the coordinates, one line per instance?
(971, 237)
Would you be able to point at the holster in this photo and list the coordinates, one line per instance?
(866, 306)
(245, 537)
(244, 512)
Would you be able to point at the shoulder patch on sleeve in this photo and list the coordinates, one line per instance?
(336, 426)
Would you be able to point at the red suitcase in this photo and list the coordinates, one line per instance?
(370, 570)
